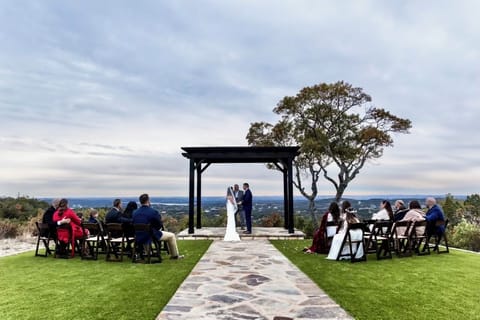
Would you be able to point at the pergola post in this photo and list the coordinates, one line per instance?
(285, 196)
(191, 190)
(199, 194)
(291, 228)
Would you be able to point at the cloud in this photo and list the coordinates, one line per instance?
(99, 97)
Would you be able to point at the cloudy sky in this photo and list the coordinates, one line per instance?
(98, 97)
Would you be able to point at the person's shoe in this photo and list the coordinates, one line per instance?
(247, 232)
(177, 257)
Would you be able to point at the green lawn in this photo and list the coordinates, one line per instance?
(46, 288)
(445, 286)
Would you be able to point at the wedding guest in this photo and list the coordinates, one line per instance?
(115, 213)
(435, 217)
(349, 218)
(399, 210)
(63, 214)
(385, 213)
(48, 218)
(129, 209)
(147, 215)
(321, 243)
(93, 216)
(414, 213)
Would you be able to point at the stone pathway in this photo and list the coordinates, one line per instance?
(249, 280)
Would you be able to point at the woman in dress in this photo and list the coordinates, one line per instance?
(349, 217)
(231, 232)
(320, 243)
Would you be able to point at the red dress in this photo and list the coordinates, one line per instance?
(75, 223)
(320, 244)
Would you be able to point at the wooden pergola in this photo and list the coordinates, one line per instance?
(202, 157)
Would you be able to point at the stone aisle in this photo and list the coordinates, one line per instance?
(249, 280)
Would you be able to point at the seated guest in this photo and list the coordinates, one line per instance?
(48, 218)
(129, 209)
(414, 214)
(147, 215)
(93, 216)
(64, 213)
(399, 210)
(435, 217)
(385, 213)
(349, 217)
(320, 243)
(115, 213)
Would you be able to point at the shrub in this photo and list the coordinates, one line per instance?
(466, 235)
(8, 229)
(273, 220)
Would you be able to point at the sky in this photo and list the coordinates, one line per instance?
(98, 97)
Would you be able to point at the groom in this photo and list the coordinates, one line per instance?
(247, 207)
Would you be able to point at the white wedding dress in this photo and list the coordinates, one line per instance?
(337, 243)
(231, 232)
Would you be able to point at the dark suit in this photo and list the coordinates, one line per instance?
(239, 197)
(148, 215)
(247, 206)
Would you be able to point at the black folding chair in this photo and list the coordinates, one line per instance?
(44, 236)
(145, 245)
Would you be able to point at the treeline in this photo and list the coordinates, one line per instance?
(18, 216)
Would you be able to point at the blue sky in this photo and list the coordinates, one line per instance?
(98, 97)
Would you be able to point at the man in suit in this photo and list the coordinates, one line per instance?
(247, 207)
(240, 212)
(147, 215)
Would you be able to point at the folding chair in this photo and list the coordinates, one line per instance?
(378, 240)
(329, 234)
(354, 239)
(419, 236)
(441, 236)
(94, 241)
(115, 242)
(62, 248)
(145, 245)
(44, 236)
(400, 238)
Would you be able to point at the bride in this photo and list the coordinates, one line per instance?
(231, 233)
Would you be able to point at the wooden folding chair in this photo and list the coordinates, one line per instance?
(354, 240)
(378, 240)
(400, 238)
(44, 236)
(419, 236)
(115, 242)
(145, 245)
(94, 241)
(439, 237)
(62, 248)
(329, 238)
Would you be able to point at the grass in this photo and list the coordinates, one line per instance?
(445, 286)
(47, 288)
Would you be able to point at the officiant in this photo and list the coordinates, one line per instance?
(240, 214)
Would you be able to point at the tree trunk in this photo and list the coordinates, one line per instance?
(312, 209)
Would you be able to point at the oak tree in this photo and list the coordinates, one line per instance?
(337, 130)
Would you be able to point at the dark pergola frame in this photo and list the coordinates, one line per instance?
(202, 157)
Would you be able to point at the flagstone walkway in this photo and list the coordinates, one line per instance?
(250, 280)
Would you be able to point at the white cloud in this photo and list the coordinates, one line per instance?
(96, 98)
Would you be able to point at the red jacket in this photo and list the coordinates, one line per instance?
(75, 223)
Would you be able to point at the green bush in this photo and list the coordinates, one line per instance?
(466, 235)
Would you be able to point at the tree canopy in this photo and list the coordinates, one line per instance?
(337, 130)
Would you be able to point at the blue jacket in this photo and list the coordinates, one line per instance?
(247, 199)
(148, 215)
(435, 214)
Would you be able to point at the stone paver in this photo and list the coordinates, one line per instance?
(249, 280)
